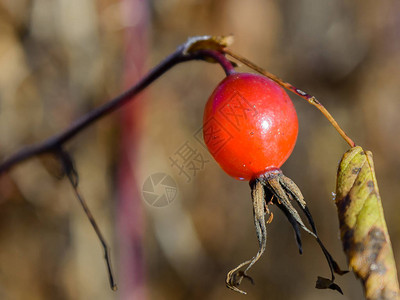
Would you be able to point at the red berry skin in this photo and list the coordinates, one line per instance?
(250, 125)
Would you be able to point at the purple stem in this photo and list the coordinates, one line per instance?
(54, 143)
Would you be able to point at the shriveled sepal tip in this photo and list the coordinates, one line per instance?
(235, 276)
(325, 283)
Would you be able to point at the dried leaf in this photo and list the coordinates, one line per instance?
(364, 234)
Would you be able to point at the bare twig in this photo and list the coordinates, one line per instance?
(72, 174)
(192, 50)
(53, 143)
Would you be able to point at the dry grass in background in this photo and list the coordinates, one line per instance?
(59, 59)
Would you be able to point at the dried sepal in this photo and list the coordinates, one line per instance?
(236, 275)
(364, 234)
(275, 188)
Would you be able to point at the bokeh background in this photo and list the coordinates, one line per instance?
(61, 58)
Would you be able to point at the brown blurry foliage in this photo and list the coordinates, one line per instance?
(59, 59)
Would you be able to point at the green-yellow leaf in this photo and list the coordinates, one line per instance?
(364, 234)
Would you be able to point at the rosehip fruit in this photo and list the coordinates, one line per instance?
(250, 125)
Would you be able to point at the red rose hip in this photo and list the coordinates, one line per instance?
(250, 125)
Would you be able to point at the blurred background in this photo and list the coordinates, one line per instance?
(59, 59)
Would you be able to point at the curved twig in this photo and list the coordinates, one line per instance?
(55, 142)
(191, 50)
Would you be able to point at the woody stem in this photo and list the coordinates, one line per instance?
(53, 143)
